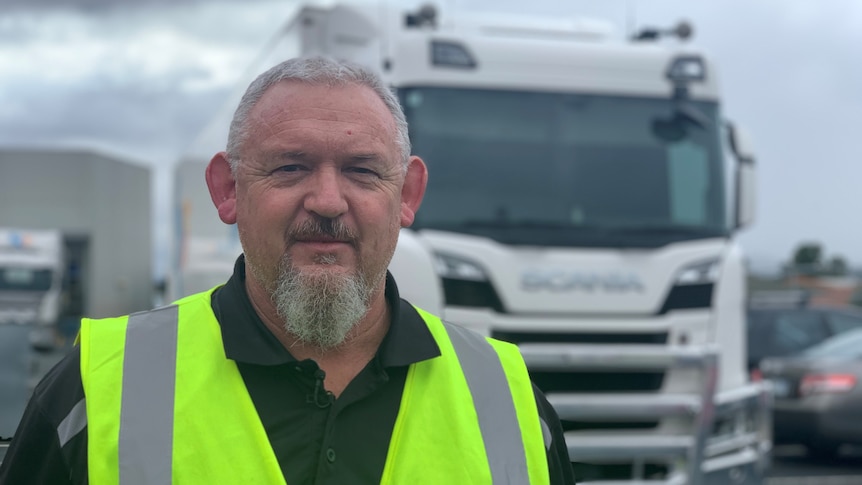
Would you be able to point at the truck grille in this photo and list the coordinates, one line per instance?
(603, 382)
(595, 381)
(569, 425)
(618, 471)
(591, 381)
(581, 338)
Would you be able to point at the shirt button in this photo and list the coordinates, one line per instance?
(330, 455)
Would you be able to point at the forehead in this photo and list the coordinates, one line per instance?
(291, 101)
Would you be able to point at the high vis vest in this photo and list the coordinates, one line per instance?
(163, 405)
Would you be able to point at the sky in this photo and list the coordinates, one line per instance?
(142, 78)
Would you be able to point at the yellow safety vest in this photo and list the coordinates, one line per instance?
(165, 406)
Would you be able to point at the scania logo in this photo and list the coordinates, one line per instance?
(559, 280)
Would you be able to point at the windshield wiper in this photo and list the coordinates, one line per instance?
(669, 229)
(567, 227)
(506, 224)
(517, 224)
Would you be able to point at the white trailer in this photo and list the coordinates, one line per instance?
(583, 202)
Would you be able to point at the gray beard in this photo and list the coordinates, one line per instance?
(320, 309)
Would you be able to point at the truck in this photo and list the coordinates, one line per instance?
(31, 277)
(584, 197)
(32, 267)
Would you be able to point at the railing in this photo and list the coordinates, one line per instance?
(683, 447)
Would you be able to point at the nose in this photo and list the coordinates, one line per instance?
(326, 196)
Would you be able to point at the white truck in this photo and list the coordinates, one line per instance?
(31, 276)
(32, 266)
(583, 201)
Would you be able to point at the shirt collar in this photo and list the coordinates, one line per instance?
(247, 339)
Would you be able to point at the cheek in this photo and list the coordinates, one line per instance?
(262, 224)
(374, 225)
(262, 211)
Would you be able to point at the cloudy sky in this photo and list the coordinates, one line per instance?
(143, 77)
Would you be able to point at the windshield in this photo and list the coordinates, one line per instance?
(25, 279)
(565, 169)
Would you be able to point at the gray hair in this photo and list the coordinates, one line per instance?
(314, 71)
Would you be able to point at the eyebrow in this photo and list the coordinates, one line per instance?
(365, 157)
(292, 155)
(299, 155)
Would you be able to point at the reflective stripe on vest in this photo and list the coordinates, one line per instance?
(498, 420)
(147, 415)
(131, 366)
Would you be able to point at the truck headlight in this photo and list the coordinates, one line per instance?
(699, 273)
(465, 283)
(692, 287)
(449, 266)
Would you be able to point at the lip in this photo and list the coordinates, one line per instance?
(324, 245)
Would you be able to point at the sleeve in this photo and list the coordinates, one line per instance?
(559, 466)
(36, 454)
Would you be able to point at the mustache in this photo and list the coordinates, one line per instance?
(318, 227)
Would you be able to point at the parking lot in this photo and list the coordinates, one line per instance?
(792, 467)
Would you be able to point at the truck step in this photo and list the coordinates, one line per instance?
(563, 357)
(680, 480)
(623, 406)
(624, 447)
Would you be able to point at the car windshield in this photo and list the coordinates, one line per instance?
(776, 332)
(568, 169)
(844, 345)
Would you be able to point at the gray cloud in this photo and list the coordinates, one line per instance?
(101, 6)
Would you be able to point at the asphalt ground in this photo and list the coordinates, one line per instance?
(791, 466)
(16, 364)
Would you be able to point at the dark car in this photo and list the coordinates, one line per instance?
(818, 395)
(778, 328)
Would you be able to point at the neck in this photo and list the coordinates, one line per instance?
(342, 363)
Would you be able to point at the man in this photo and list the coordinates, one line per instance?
(305, 367)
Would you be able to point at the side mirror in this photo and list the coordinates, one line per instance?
(746, 176)
(740, 143)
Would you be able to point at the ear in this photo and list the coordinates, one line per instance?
(413, 190)
(222, 185)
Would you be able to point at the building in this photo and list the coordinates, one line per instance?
(204, 248)
(102, 203)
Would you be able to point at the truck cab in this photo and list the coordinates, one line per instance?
(31, 277)
(584, 196)
(583, 202)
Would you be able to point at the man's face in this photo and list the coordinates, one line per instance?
(319, 157)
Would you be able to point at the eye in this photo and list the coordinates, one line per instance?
(289, 168)
(363, 171)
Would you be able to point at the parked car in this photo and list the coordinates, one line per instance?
(783, 324)
(818, 394)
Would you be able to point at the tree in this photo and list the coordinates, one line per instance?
(808, 254)
(807, 259)
(838, 266)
